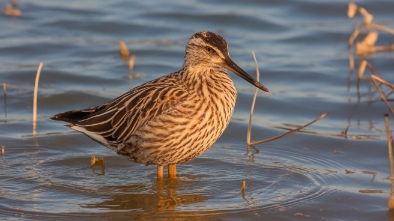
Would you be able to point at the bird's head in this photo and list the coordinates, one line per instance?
(209, 50)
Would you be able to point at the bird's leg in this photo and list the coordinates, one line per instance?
(171, 170)
(160, 169)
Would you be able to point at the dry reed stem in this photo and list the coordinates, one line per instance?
(351, 59)
(368, 24)
(352, 9)
(93, 161)
(354, 35)
(131, 66)
(382, 28)
(381, 80)
(124, 51)
(243, 190)
(343, 134)
(351, 40)
(367, 16)
(248, 135)
(382, 95)
(97, 162)
(290, 132)
(35, 99)
(371, 191)
(371, 38)
(361, 49)
(12, 11)
(390, 202)
(389, 145)
(367, 46)
(372, 69)
(361, 68)
(383, 48)
(5, 100)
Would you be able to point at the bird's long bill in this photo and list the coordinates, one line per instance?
(233, 67)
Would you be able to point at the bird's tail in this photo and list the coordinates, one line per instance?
(76, 115)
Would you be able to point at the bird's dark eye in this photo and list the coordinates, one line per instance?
(209, 49)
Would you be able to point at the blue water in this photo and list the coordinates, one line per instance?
(301, 47)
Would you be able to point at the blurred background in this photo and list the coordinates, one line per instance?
(336, 169)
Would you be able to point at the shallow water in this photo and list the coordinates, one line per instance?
(301, 47)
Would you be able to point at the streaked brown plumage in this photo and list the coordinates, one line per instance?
(174, 118)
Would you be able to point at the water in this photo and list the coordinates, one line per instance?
(301, 47)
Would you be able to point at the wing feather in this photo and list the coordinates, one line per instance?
(120, 118)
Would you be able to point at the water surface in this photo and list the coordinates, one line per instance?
(301, 47)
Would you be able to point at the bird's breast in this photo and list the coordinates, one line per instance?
(190, 127)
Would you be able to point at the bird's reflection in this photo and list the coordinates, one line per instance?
(390, 215)
(140, 197)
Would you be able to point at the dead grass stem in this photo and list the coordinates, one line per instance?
(248, 135)
(381, 80)
(5, 101)
(97, 162)
(243, 189)
(35, 99)
(131, 67)
(390, 202)
(289, 132)
(381, 28)
(365, 47)
(374, 81)
(11, 10)
(124, 51)
(249, 132)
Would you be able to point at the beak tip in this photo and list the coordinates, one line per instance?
(264, 88)
(231, 66)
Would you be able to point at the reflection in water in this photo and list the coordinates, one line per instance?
(34, 171)
(100, 172)
(390, 214)
(133, 197)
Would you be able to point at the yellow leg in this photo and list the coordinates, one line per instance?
(160, 169)
(171, 170)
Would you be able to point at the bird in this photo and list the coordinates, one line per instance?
(174, 118)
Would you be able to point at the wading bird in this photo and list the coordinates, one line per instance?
(174, 118)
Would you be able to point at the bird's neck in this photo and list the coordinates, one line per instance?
(207, 81)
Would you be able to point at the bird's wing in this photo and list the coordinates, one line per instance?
(115, 121)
